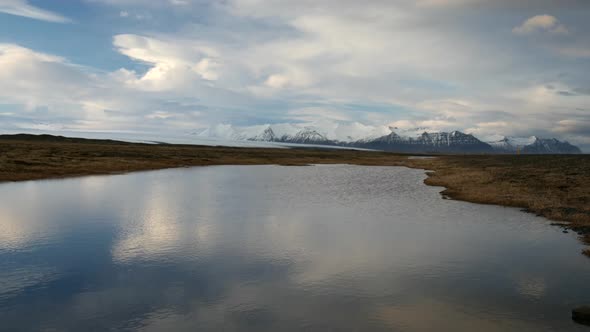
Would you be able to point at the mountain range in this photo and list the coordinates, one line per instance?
(417, 140)
(533, 145)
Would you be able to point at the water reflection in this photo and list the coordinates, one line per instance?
(532, 286)
(277, 248)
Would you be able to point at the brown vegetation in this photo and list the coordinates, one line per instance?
(34, 157)
(556, 187)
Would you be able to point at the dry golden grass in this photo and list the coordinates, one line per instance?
(556, 187)
(40, 159)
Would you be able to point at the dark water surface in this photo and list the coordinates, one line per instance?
(271, 248)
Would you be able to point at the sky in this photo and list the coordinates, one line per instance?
(502, 67)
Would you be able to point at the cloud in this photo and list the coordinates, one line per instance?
(574, 51)
(171, 66)
(579, 126)
(355, 51)
(34, 79)
(251, 62)
(23, 8)
(445, 3)
(318, 114)
(546, 23)
(144, 15)
(48, 91)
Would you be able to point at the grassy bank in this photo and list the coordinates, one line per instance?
(556, 187)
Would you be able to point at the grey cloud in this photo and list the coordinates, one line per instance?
(23, 8)
(582, 91)
(453, 63)
(573, 127)
(566, 93)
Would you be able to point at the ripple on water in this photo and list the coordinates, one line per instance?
(270, 248)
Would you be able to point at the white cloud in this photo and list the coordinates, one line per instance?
(172, 65)
(539, 23)
(553, 95)
(574, 51)
(430, 125)
(573, 126)
(277, 81)
(23, 8)
(35, 79)
(318, 114)
(55, 93)
(258, 61)
(445, 3)
(352, 51)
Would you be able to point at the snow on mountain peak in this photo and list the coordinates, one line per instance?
(512, 144)
(357, 134)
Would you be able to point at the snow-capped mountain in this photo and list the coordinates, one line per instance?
(442, 142)
(416, 140)
(233, 133)
(511, 144)
(533, 145)
(411, 141)
(551, 146)
(355, 131)
(307, 136)
(268, 135)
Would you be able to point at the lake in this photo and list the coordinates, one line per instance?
(272, 248)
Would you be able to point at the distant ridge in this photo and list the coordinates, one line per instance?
(307, 136)
(57, 138)
(417, 140)
(443, 142)
(533, 145)
(454, 142)
(267, 135)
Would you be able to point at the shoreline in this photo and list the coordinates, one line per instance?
(556, 187)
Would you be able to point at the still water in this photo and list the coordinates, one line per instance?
(271, 248)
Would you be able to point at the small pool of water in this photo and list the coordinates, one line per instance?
(422, 157)
(271, 248)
